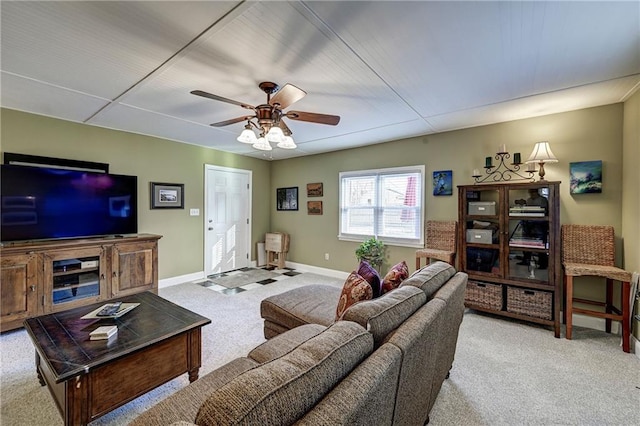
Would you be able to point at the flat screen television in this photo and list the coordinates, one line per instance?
(39, 203)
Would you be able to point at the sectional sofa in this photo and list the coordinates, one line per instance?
(382, 363)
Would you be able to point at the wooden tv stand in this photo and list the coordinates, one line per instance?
(42, 277)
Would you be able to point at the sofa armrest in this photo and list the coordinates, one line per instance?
(284, 343)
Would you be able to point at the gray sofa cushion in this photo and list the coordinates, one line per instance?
(384, 314)
(281, 391)
(418, 338)
(284, 343)
(364, 397)
(312, 304)
(430, 278)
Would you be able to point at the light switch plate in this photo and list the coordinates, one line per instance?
(194, 212)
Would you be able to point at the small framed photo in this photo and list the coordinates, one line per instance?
(314, 189)
(287, 198)
(443, 182)
(167, 195)
(314, 207)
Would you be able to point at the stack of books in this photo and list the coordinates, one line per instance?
(104, 332)
(535, 211)
(527, 242)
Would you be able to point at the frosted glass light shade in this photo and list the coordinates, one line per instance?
(288, 143)
(262, 145)
(275, 135)
(247, 136)
(542, 154)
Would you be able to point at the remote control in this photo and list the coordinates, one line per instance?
(109, 310)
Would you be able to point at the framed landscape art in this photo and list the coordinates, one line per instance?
(167, 195)
(585, 177)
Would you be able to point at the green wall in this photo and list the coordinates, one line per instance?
(152, 160)
(588, 134)
(609, 133)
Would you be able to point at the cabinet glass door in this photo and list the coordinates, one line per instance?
(482, 231)
(75, 279)
(528, 243)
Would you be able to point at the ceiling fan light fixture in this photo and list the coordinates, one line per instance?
(275, 135)
(288, 143)
(262, 144)
(247, 136)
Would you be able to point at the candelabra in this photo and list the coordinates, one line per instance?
(502, 172)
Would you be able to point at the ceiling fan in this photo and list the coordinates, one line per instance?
(268, 117)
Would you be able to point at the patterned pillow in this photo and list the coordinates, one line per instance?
(398, 273)
(369, 273)
(354, 290)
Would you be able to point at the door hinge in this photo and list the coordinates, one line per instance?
(247, 221)
(247, 186)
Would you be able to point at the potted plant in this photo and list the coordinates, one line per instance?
(372, 251)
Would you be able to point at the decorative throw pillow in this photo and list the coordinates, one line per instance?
(369, 273)
(354, 290)
(398, 273)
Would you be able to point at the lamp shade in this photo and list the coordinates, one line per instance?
(262, 144)
(288, 143)
(247, 136)
(542, 154)
(275, 135)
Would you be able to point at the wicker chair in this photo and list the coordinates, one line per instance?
(440, 242)
(588, 250)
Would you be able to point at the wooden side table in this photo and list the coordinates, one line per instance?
(277, 246)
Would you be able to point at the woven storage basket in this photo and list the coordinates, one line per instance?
(485, 295)
(528, 302)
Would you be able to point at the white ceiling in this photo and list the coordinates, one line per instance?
(391, 69)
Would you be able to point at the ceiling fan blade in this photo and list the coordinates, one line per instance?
(220, 98)
(285, 129)
(287, 95)
(313, 117)
(232, 121)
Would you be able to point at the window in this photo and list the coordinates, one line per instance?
(385, 203)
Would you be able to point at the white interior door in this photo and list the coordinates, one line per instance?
(227, 219)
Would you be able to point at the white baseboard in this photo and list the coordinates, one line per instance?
(167, 282)
(317, 270)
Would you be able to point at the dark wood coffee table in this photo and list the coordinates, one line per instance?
(156, 342)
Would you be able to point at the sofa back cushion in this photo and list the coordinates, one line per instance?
(364, 397)
(418, 339)
(430, 278)
(382, 315)
(281, 391)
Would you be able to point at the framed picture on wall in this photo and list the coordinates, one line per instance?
(287, 198)
(167, 195)
(314, 189)
(443, 182)
(314, 207)
(585, 177)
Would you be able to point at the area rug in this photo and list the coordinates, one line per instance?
(242, 277)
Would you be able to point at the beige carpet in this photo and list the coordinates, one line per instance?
(505, 372)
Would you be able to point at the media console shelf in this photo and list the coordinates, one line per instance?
(51, 276)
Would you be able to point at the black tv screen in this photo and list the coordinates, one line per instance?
(45, 203)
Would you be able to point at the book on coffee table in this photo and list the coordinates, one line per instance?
(104, 332)
(124, 308)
